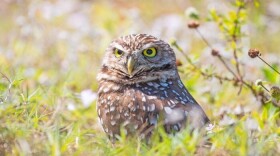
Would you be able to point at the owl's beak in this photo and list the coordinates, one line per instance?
(130, 65)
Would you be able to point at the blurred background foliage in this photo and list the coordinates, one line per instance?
(51, 51)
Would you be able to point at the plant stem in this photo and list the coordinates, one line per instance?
(198, 69)
(228, 68)
(265, 88)
(203, 38)
(234, 38)
(269, 65)
(219, 56)
(9, 87)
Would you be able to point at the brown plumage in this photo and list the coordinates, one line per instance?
(139, 88)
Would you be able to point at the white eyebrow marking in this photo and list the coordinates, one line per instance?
(118, 46)
(149, 45)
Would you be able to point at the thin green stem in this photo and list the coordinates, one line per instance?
(269, 65)
(265, 88)
(9, 87)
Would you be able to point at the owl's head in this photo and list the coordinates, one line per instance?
(138, 58)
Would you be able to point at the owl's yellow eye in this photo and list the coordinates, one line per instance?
(118, 53)
(150, 52)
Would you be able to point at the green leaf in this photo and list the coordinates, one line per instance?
(213, 15)
(270, 75)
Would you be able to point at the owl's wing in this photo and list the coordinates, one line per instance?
(173, 103)
(195, 116)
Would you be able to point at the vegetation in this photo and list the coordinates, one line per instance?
(50, 53)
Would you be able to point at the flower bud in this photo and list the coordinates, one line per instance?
(178, 63)
(275, 92)
(193, 24)
(192, 13)
(215, 52)
(254, 53)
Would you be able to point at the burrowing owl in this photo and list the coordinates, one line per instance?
(139, 88)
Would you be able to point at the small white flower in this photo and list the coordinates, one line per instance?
(87, 97)
(258, 82)
(209, 128)
(71, 107)
(192, 12)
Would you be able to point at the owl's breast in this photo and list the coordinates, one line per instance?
(138, 107)
(124, 106)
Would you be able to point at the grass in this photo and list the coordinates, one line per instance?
(49, 63)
